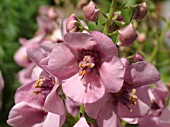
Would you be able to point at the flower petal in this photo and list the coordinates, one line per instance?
(93, 109)
(112, 75)
(87, 90)
(142, 73)
(81, 123)
(26, 93)
(107, 116)
(36, 55)
(79, 40)
(54, 120)
(62, 62)
(25, 115)
(54, 103)
(107, 48)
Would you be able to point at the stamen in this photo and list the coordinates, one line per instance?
(44, 84)
(133, 98)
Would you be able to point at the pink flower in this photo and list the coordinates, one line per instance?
(159, 114)
(91, 63)
(20, 56)
(36, 98)
(25, 114)
(131, 101)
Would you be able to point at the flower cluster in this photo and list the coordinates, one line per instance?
(76, 74)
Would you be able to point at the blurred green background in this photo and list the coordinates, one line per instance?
(18, 19)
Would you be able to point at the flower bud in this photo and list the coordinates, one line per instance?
(127, 36)
(72, 24)
(91, 12)
(140, 11)
(137, 58)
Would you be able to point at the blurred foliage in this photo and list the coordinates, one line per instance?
(18, 19)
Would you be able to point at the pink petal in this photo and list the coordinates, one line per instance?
(81, 123)
(107, 116)
(48, 46)
(87, 90)
(149, 121)
(93, 109)
(62, 62)
(54, 120)
(106, 47)
(142, 73)
(26, 93)
(142, 107)
(25, 115)
(165, 116)
(79, 40)
(36, 55)
(112, 75)
(54, 103)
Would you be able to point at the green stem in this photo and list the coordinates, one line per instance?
(160, 41)
(109, 19)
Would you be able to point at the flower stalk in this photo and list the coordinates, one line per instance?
(109, 19)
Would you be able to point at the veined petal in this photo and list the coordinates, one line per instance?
(107, 116)
(93, 109)
(79, 40)
(62, 62)
(112, 75)
(141, 73)
(106, 47)
(54, 103)
(25, 115)
(26, 93)
(86, 90)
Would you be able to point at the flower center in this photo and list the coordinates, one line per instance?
(127, 97)
(88, 60)
(44, 84)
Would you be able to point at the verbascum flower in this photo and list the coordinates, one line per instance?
(132, 101)
(91, 65)
(36, 103)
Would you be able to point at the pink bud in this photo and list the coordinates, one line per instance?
(137, 58)
(91, 12)
(72, 23)
(127, 36)
(140, 11)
